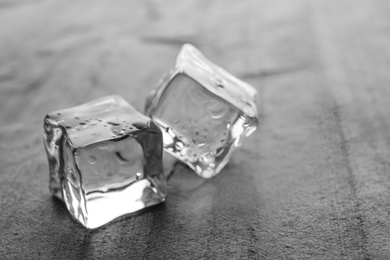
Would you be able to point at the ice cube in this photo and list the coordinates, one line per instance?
(105, 160)
(203, 111)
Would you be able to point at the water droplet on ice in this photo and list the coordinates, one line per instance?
(139, 124)
(216, 110)
(219, 151)
(218, 82)
(103, 146)
(113, 123)
(92, 159)
(179, 145)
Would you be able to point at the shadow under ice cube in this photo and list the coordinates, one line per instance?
(105, 160)
(203, 111)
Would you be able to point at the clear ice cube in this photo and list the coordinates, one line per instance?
(203, 111)
(105, 160)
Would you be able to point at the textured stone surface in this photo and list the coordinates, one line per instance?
(312, 183)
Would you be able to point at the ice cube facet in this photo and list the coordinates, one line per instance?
(105, 160)
(203, 111)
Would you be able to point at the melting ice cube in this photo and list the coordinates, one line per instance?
(105, 160)
(203, 111)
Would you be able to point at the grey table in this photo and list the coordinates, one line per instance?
(312, 183)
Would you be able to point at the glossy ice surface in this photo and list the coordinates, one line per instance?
(203, 111)
(105, 160)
